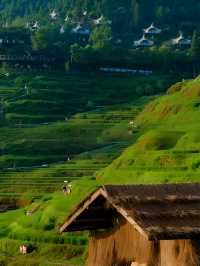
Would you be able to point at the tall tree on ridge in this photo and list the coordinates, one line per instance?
(195, 53)
(136, 12)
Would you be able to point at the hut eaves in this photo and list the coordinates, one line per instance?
(158, 212)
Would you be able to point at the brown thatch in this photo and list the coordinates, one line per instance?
(157, 211)
(125, 245)
(152, 225)
(120, 246)
(162, 211)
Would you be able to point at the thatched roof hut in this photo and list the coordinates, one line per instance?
(181, 40)
(143, 42)
(152, 30)
(151, 225)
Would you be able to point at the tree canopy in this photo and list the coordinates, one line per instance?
(127, 13)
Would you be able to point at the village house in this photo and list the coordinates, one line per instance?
(143, 42)
(6, 41)
(102, 20)
(53, 15)
(33, 26)
(152, 30)
(62, 30)
(81, 30)
(99, 20)
(181, 41)
(125, 71)
(81, 34)
(149, 225)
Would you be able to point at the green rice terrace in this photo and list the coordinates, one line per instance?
(86, 130)
(167, 149)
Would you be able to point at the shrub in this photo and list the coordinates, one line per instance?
(175, 88)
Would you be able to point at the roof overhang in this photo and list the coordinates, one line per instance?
(158, 212)
(76, 222)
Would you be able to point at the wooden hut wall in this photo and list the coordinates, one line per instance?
(178, 252)
(124, 245)
(121, 246)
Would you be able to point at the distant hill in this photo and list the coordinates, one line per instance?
(168, 146)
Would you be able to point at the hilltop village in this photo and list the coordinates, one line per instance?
(90, 44)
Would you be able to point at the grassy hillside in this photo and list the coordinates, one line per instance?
(168, 146)
(45, 119)
(55, 129)
(163, 146)
(37, 99)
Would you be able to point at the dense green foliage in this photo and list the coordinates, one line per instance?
(109, 43)
(124, 13)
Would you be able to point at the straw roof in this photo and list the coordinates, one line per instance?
(152, 30)
(143, 42)
(181, 40)
(158, 212)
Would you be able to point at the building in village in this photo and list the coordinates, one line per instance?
(81, 30)
(53, 15)
(81, 34)
(181, 41)
(126, 71)
(8, 41)
(152, 30)
(148, 225)
(33, 26)
(143, 42)
(14, 37)
(62, 30)
(99, 20)
(102, 20)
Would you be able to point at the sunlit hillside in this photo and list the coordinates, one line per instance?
(168, 147)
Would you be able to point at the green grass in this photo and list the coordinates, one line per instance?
(36, 141)
(42, 254)
(54, 98)
(168, 146)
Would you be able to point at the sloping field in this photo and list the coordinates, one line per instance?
(61, 129)
(168, 149)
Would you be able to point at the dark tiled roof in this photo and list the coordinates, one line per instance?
(159, 211)
(162, 211)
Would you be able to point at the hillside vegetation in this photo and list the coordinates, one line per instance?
(85, 143)
(53, 129)
(163, 146)
(126, 14)
(48, 119)
(168, 148)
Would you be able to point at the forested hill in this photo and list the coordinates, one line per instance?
(132, 14)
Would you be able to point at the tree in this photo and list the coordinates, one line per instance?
(161, 12)
(75, 51)
(136, 13)
(42, 39)
(49, 41)
(195, 52)
(195, 47)
(101, 36)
